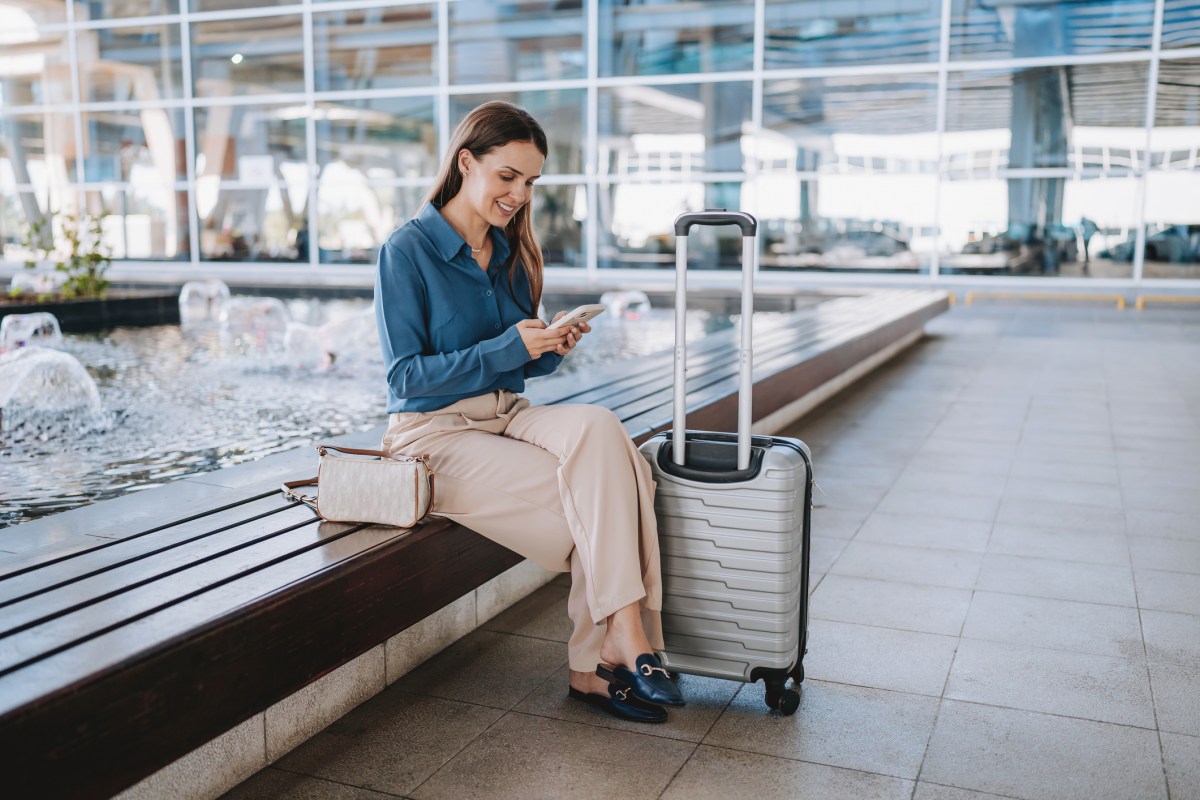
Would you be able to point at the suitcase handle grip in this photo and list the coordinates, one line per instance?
(716, 216)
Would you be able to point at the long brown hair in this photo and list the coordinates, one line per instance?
(487, 127)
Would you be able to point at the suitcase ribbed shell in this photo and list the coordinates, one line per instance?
(733, 558)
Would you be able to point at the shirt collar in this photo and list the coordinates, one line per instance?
(447, 240)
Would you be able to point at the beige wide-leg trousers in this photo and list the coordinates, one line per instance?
(562, 485)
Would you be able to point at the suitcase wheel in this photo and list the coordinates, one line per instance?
(786, 700)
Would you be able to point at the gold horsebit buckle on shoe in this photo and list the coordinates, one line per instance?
(621, 694)
(648, 670)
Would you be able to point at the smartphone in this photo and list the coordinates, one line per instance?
(581, 314)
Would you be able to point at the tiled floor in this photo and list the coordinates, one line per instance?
(1006, 602)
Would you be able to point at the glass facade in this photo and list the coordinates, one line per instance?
(928, 138)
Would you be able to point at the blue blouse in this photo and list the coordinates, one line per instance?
(447, 327)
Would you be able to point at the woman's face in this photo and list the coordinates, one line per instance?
(497, 185)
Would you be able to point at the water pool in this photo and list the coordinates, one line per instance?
(180, 400)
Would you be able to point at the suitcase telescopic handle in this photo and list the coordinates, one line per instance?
(749, 228)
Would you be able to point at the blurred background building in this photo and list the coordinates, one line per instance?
(923, 139)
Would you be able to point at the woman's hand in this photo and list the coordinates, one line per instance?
(574, 334)
(539, 340)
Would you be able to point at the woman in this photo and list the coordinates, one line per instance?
(456, 299)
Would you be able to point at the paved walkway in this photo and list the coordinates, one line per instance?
(1007, 601)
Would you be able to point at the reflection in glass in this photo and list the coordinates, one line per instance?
(34, 66)
(851, 123)
(378, 139)
(560, 112)
(987, 29)
(140, 64)
(18, 209)
(248, 143)
(1172, 224)
(852, 222)
(558, 216)
(636, 230)
(1039, 226)
(375, 48)
(121, 144)
(812, 33)
(241, 57)
(38, 150)
(266, 224)
(19, 22)
(675, 36)
(113, 9)
(1175, 138)
(1089, 116)
(674, 129)
(354, 217)
(523, 40)
(233, 5)
(1181, 24)
(143, 222)
(262, 148)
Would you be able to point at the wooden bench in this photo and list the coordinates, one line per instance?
(132, 636)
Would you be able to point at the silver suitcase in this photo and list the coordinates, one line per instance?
(733, 522)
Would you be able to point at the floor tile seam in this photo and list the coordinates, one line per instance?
(489, 629)
(885, 628)
(893, 580)
(1051, 714)
(1160, 569)
(914, 582)
(1076, 529)
(1062, 599)
(601, 723)
(1162, 754)
(992, 792)
(325, 779)
(675, 774)
(522, 699)
(873, 687)
(1028, 646)
(459, 751)
(837, 767)
(937, 715)
(888, 627)
(803, 760)
(1068, 560)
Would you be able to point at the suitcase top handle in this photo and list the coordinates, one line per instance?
(716, 216)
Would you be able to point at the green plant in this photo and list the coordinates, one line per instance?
(79, 253)
(15, 293)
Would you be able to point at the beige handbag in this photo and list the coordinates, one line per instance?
(382, 489)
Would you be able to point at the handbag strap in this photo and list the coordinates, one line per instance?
(288, 487)
(354, 451)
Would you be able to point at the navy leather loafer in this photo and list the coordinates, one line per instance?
(648, 680)
(622, 704)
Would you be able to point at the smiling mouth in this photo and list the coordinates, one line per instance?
(506, 209)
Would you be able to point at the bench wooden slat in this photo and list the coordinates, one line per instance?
(110, 554)
(348, 595)
(714, 389)
(172, 572)
(629, 397)
(105, 532)
(84, 622)
(711, 383)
